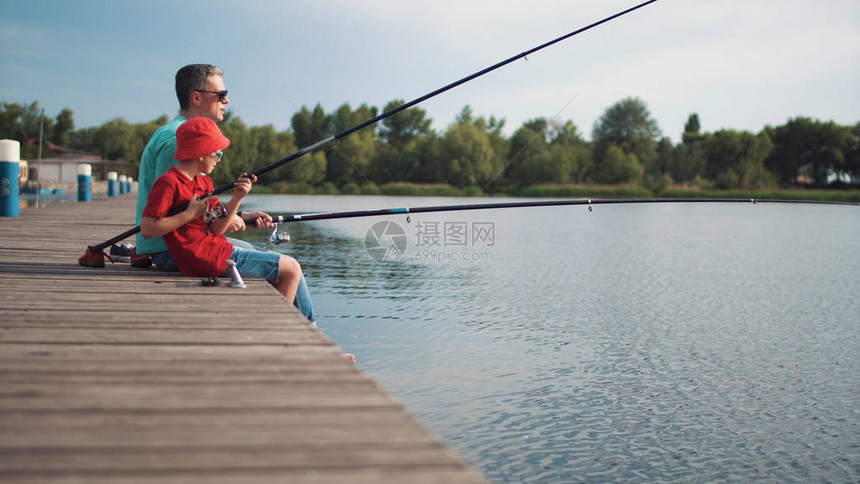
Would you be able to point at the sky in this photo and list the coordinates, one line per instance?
(738, 64)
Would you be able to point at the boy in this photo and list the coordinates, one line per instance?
(198, 248)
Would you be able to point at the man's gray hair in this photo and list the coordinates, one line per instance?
(193, 77)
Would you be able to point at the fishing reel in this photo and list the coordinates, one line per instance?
(278, 238)
(215, 213)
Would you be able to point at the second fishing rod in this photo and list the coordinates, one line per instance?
(277, 238)
(338, 136)
(306, 217)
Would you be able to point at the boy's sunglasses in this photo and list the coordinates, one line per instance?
(221, 94)
(219, 154)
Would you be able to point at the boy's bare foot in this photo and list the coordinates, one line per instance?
(350, 357)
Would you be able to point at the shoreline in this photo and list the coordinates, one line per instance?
(560, 191)
(67, 192)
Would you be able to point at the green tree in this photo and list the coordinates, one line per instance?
(310, 126)
(691, 129)
(547, 152)
(118, 140)
(465, 116)
(309, 169)
(688, 159)
(566, 141)
(467, 151)
(396, 155)
(238, 157)
(65, 124)
(270, 146)
(9, 120)
(619, 167)
(429, 165)
(665, 157)
(499, 145)
(529, 155)
(22, 122)
(852, 155)
(402, 128)
(810, 146)
(736, 159)
(391, 164)
(349, 160)
(628, 125)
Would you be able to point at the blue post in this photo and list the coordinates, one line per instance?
(112, 182)
(130, 184)
(85, 182)
(10, 156)
(122, 185)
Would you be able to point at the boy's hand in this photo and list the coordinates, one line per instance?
(242, 186)
(197, 205)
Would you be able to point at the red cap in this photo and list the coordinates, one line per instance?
(198, 137)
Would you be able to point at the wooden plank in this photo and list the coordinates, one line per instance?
(227, 475)
(244, 336)
(151, 439)
(182, 395)
(115, 286)
(204, 307)
(140, 376)
(178, 354)
(379, 416)
(294, 458)
(59, 318)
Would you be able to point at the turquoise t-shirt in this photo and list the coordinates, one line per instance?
(157, 158)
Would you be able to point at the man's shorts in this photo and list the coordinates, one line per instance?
(256, 264)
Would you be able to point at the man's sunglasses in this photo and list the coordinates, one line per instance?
(219, 154)
(221, 94)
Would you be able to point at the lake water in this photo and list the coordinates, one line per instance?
(632, 343)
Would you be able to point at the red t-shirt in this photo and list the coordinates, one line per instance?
(195, 251)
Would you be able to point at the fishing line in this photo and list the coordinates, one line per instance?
(319, 132)
(98, 248)
(512, 159)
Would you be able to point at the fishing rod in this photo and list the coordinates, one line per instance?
(523, 204)
(94, 250)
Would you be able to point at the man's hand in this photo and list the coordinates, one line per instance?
(236, 224)
(261, 219)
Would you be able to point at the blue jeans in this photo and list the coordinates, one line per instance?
(303, 297)
(255, 264)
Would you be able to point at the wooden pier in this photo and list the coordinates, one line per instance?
(125, 375)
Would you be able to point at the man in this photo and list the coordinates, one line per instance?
(201, 93)
(198, 88)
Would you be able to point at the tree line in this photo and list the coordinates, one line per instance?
(627, 148)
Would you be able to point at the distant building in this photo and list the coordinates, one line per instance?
(804, 178)
(64, 168)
